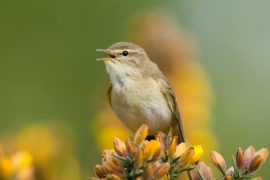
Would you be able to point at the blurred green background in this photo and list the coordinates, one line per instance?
(48, 70)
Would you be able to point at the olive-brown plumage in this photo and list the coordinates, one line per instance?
(139, 93)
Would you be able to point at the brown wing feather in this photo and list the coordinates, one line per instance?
(170, 98)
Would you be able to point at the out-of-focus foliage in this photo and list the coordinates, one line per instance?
(39, 151)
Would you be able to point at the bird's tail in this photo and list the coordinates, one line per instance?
(178, 129)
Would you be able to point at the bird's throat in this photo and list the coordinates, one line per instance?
(119, 75)
(118, 80)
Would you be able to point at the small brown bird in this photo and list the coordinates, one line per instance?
(139, 93)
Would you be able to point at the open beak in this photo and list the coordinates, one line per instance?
(108, 52)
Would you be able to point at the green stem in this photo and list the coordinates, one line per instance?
(184, 169)
(119, 157)
(221, 170)
(200, 173)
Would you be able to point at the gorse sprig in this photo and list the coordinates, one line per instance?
(160, 158)
(244, 163)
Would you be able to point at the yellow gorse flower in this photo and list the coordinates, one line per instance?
(6, 167)
(188, 154)
(22, 160)
(198, 152)
(172, 147)
(140, 135)
(14, 164)
(139, 158)
(150, 149)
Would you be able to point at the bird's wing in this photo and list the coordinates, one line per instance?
(171, 100)
(109, 94)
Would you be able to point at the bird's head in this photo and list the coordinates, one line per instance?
(124, 60)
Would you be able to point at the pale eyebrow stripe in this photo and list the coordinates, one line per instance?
(129, 50)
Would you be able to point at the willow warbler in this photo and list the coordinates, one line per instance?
(139, 93)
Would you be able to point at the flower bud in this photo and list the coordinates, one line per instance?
(115, 177)
(194, 175)
(162, 144)
(162, 138)
(158, 152)
(206, 172)
(116, 166)
(148, 172)
(180, 149)
(228, 177)
(240, 159)
(198, 152)
(151, 148)
(230, 171)
(172, 147)
(263, 154)
(217, 160)
(131, 149)
(99, 170)
(139, 158)
(187, 156)
(258, 159)
(106, 156)
(119, 147)
(140, 135)
(255, 163)
(248, 155)
(161, 170)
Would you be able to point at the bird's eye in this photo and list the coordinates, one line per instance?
(125, 53)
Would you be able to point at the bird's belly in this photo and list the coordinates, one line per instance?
(142, 105)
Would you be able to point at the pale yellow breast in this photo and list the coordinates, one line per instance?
(139, 102)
